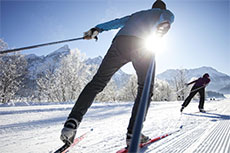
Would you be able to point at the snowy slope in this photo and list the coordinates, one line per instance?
(36, 128)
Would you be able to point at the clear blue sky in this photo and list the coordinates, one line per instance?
(200, 35)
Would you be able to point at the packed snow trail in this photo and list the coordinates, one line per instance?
(36, 128)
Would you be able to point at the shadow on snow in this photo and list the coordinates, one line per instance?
(211, 115)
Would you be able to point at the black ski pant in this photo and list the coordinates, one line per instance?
(193, 92)
(123, 49)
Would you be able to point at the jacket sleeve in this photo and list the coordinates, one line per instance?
(166, 16)
(113, 24)
(192, 82)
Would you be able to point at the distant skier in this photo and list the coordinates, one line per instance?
(127, 46)
(199, 86)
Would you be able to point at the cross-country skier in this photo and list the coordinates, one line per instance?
(199, 86)
(127, 46)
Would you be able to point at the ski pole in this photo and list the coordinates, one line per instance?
(142, 107)
(198, 88)
(180, 90)
(192, 90)
(39, 45)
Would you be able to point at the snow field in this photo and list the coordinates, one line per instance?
(36, 128)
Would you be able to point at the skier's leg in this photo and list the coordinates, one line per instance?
(202, 97)
(112, 61)
(189, 98)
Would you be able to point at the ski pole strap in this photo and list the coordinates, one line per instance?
(39, 45)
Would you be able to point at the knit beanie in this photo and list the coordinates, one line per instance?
(159, 4)
(206, 75)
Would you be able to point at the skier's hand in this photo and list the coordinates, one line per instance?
(162, 29)
(91, 34)
(186, 84)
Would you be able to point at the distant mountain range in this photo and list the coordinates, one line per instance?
(37, 65)
(220, 82)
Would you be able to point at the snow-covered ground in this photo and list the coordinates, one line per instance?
(36, 128)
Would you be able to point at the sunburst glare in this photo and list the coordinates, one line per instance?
(155, 44)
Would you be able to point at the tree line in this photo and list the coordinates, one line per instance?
(64, 83)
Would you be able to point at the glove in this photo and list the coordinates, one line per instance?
(163, 28)
(91, 34)
(186, 84)
(69, 131)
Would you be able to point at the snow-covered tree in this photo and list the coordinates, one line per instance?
(179, 82)
(45, 85)
(13, 69)
(65, 82)
(162, 91)
(3, 45)
(109, 93)
(129, 91)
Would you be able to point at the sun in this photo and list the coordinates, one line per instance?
(155, 43)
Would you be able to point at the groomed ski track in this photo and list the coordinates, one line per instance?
(36, 128)
(212, 135)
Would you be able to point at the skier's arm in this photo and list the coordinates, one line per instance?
(164, 23)
(191, 82)
(113, 24)
(167, 16)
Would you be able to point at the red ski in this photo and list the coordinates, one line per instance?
(65, 148)
(125, 150)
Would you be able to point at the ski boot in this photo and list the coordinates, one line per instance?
(182, 108)
(69, 131)
(202, 110)
(129, 136)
